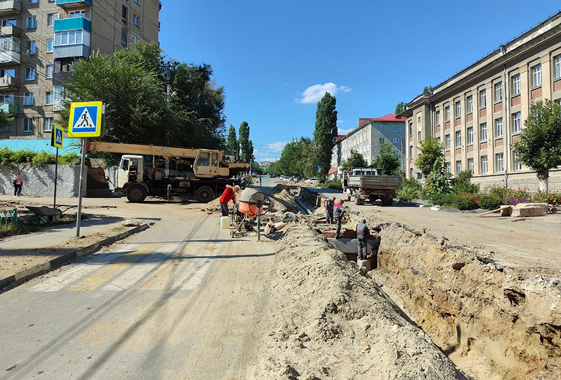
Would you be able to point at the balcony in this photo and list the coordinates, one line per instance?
(10, 30)
(68, 4)
(8, 83)
(10, 8)
(10, 108)
(71, 51)
(78, 23)
(10, 57)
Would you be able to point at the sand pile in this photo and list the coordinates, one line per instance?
(326, 321)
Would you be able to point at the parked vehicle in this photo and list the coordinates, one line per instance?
(145, 170)
(366, 185)
(311, 180)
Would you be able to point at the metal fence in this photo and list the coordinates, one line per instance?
(8, 218)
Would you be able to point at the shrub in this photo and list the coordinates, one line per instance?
(43, 158)
(70, 159)
(410, 189)
(333, 185)
(489, 202)
(462, 183)
(464, 201)
(26, 157)
(442, 199)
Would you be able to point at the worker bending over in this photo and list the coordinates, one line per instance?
(228, 195)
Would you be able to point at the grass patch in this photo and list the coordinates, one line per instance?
(118, 229)
(21, 229)
(70, 218)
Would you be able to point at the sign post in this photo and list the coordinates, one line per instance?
(86, 120)
(57, 140)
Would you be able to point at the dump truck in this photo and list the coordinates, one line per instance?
(145, 170)
(367, 185)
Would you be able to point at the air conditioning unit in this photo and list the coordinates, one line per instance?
(56, 16)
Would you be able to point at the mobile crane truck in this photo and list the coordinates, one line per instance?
(136, 178)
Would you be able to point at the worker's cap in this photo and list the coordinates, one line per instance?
(237, 187)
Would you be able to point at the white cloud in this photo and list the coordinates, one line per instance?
(275, 147)
(270, 150)
(313, 94)
(341, 131)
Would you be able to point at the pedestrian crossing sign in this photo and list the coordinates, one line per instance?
(86, 119)
(57, 136)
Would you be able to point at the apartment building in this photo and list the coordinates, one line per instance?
(367, 138)
(39, 39)
(479, 113)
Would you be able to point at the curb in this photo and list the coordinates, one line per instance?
(26, 275)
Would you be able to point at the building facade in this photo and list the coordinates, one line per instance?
(479, 113)
(368, 137)
(41, 38)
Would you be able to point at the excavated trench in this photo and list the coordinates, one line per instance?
(493, 321)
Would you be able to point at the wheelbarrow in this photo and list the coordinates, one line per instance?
(45, 215)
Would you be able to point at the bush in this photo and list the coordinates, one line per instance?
(43, 158)
(462, 183)
(442, 199)
(70, 159)
(26, 157)
(333, 185)
(410, 189)
(464, 201)
(489, 202)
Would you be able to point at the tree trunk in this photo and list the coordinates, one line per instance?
(544, 185)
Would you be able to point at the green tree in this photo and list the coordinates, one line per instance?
(387, 161)
(355, 160)
(400, 108)
(438, 182)
(294, 158)
(430, 150)
(540, 141)
(246, 147)
(232, 147)
(325, 133)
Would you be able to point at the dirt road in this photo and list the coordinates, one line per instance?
(179, 301)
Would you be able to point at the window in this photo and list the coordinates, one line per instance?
(124, 37)
(447, 114)
(27, 125)
(557, 68)
(470, 165)
(48, 124)
(73, 37)
(31, 47)
(447, 139)
(133, 38)
(7, 73)
(470, 135)
(77, 14)
(557, 101)
(395, 140)
(483, 132)
(458, 166)
(499, 161)
(419, 136)
(136, 20)
(10, 22)
(381, 140)
(137, 2)
(51, 19)
(458, 110)
(32, 22)
(49, 97)
(396, 128)
(411, 151)
(482, 99)
(28, 99)
(516, 85)
(382, 128)
(469, 104)
(7, 98)
(536, 76)
(458, 139)
(410, 129)
(9, 43)
(124, 13)
(499, 127)
(437, 117)
(448, 167)
(32, 1)
(516, 125)
(517, 165)
(418, 120)
(49, 69)
(484, 165)
(498, 92)
(29, 73)
(50, 46)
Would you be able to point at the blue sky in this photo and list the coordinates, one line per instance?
(275, 59)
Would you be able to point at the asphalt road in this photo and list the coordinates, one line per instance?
(181, 300)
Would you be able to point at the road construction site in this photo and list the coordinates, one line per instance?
(454, 297)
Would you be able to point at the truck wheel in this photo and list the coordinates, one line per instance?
(387, 201)
(358, 200)
(136, 193)
(205, 194)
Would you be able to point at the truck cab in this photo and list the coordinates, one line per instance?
(131, 170)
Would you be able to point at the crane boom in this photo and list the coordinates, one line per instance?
(147, 150)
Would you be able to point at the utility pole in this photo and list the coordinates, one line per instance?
(167, 68)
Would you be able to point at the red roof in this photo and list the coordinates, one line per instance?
(339, 138)
(332, 170)
(389, 117)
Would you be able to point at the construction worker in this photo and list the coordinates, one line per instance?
(228, 195)
(329, 203)
(338, 213)
(362, 233)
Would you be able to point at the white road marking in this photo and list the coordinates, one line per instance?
(81, 269)
(198, 277)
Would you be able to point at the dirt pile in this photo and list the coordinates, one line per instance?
(496, 322)
(326, 321)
